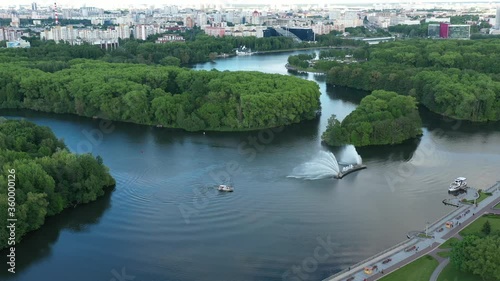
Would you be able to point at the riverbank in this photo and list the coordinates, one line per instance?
(304, 70)
(225, 55)
(408, 251)
(305, 48)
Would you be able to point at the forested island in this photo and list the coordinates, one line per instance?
(381, 118)
(458, 79)
(162, 96)
(48, 178)
(328, 58)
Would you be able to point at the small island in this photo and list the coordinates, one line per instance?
(41, 178)
(381, 118)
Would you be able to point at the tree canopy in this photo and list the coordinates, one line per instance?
(478, 256)
(165, 96)
(381, 118)
(48, 178)
(458, 79)
(197, 48)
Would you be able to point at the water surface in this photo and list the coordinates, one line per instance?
(164, 220)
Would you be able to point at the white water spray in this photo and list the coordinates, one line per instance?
(350, 156)
(324, 165)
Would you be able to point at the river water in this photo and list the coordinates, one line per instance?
(165, 221)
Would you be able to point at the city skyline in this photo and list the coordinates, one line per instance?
(226, 3)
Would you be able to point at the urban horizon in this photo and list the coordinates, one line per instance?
(128, 4)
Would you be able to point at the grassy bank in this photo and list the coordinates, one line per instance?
(449, 243)
(475, 227)
(418, 270)
(450, 273)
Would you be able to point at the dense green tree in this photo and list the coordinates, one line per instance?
(478, 256)
(486, 228)
(48, 178)
(381, 118)
(458, 79)
(155, 95)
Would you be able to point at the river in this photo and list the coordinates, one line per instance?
(165, 221)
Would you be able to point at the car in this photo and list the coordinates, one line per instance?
(387, 261)
(350, 278)
(410, 248)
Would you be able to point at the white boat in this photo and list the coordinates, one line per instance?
(458, 184)
(244, 51)
(225, 188)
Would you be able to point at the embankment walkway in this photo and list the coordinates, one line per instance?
(416, 247)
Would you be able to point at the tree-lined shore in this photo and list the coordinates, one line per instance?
(458, 79)
(42, 177)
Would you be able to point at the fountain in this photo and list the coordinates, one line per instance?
(349, 155)
(325, 165)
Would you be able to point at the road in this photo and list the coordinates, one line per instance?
(462, 217)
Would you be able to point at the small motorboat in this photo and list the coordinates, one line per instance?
(458, 184)
(225, 188)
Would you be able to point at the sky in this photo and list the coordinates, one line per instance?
(111, 4)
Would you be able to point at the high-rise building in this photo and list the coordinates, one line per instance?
(443, 30)
(34, 6)
(335, 14)
(201, 19)
(459, 31)
(497, 20)
(446, 30)
(188, 22)
(15, 21)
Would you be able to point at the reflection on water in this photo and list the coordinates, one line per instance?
(167, 223)
(38, 245)
(346, 94)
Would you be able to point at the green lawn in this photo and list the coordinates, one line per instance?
(449, 243)
(444, 254)
(449, 273)
(475, 227)
(419, 270)
(497, 206)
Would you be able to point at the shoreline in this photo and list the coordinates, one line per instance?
(287, 50)
(435, 229)
(299, 70)
(158, 126)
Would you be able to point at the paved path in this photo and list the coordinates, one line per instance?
(400, 256)
(438, 270)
